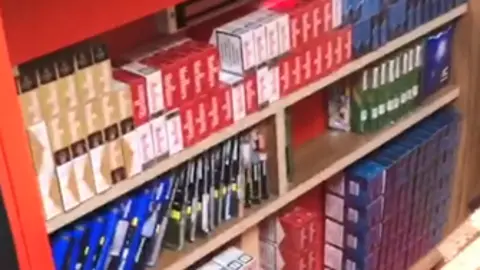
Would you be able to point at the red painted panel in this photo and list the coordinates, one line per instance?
(19, 177)
(37, 27)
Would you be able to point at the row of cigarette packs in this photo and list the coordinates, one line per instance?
(390, 208)
(391, 88)
(188, 203)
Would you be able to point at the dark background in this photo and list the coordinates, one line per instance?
(7, 249)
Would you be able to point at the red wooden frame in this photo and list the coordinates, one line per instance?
(17, 175)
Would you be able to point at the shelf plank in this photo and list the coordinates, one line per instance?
(338, 150)
(251, 120)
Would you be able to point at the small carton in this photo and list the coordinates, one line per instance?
(174, 132)
(251, 93)
(64, 68)
(28, 94)
(234, 258)
(201, 112)
(48, 91)
(187, 116)
(84, 73)
(101, 69)
(238, 94)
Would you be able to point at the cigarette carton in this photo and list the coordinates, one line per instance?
(101, 69)
(48, 92)
(64, 68)
(84, 73)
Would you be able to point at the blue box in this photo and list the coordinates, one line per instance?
(365, 182)
(369, 262)
(397, 19)
(359, 245)
(437, 62)
(361, 219)
(410, 12)
(362, 35)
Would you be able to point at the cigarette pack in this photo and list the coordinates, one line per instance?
(48, 91)
(234, 258)
(84, 73)
(101, 69)
(174, 132)
(64, 68)
(251, 93)
(235, 83)
(201, 112)
(187, 116)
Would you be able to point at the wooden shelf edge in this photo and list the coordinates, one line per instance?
(251, 120)
(452, 245)
(441, 99)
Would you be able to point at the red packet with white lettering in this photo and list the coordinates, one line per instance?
(174, 132)
(237, 87)
(285, 66)
(213, 116)
(297, 77)
(198, 62)
(226, 107)
(171, 92)
(307, 65)
(202, 110)
(251, 94)
(318, 63)
(329, 53)
(327, 15)
(185, 74)
(346, 34)
(264, 86)
(187, 116)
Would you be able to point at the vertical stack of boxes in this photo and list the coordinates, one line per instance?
(291, 241)
(391, 208)
(61, 97)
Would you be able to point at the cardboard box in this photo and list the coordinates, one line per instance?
(132, 153)
(28, 94)
(214, 119)
(165, 63)
(251, 94)
(67, 91)
(80, 157)
(187, 116)
(95, 124)
(45, 167)
(48, 92)
(60, 139)
(153, 86)
(101, 69)
(84, 73)
(234, 258)
(201, 117)
(174, 132)
(112, 133)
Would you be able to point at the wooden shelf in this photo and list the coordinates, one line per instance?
(320, 160)
(279, 106)
(455, 250)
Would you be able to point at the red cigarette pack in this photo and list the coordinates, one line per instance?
(202, 110)
(187, 116)
(251, 94)
(139, 94)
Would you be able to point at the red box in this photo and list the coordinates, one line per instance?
(213, 65)
(346, 34)
(185, 75)
(286, 75)
(201, 117)
(329, 53)
(139, 95)
(224, 103)
(318, 59)
(317, 11)
(296, 30)
(306, 23)
(251, 93)
(297, 78)
(343, 46)
(198, 62)
(187, 116)
(307, 65)
(169, 68)
(296, 233)
(327, 16)
(296, 260)
(214, 121)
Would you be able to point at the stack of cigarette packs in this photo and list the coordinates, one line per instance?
(188, 203)
(390, 208)
(385, 91)
(376, 22)
(293, 239)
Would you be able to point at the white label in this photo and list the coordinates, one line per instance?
(396, 103)
(391, 71)
(403, 98)
(418, 56)
(383, 77)
(352, 241)
(353, 188)
(333, 257)
(415, 91)
(375, 78)
(405, 64)
(411, 54)
(389, 105)
(363, 115)
(381, 109)
(174, 131)
(374, 113)
(238, 102)
(350, 265)
(334, 233)
(398, 61)
(334, 207)
(352, 215)
(365, 80)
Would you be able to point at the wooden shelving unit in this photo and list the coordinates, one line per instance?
(51, 25)
(274, 109)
